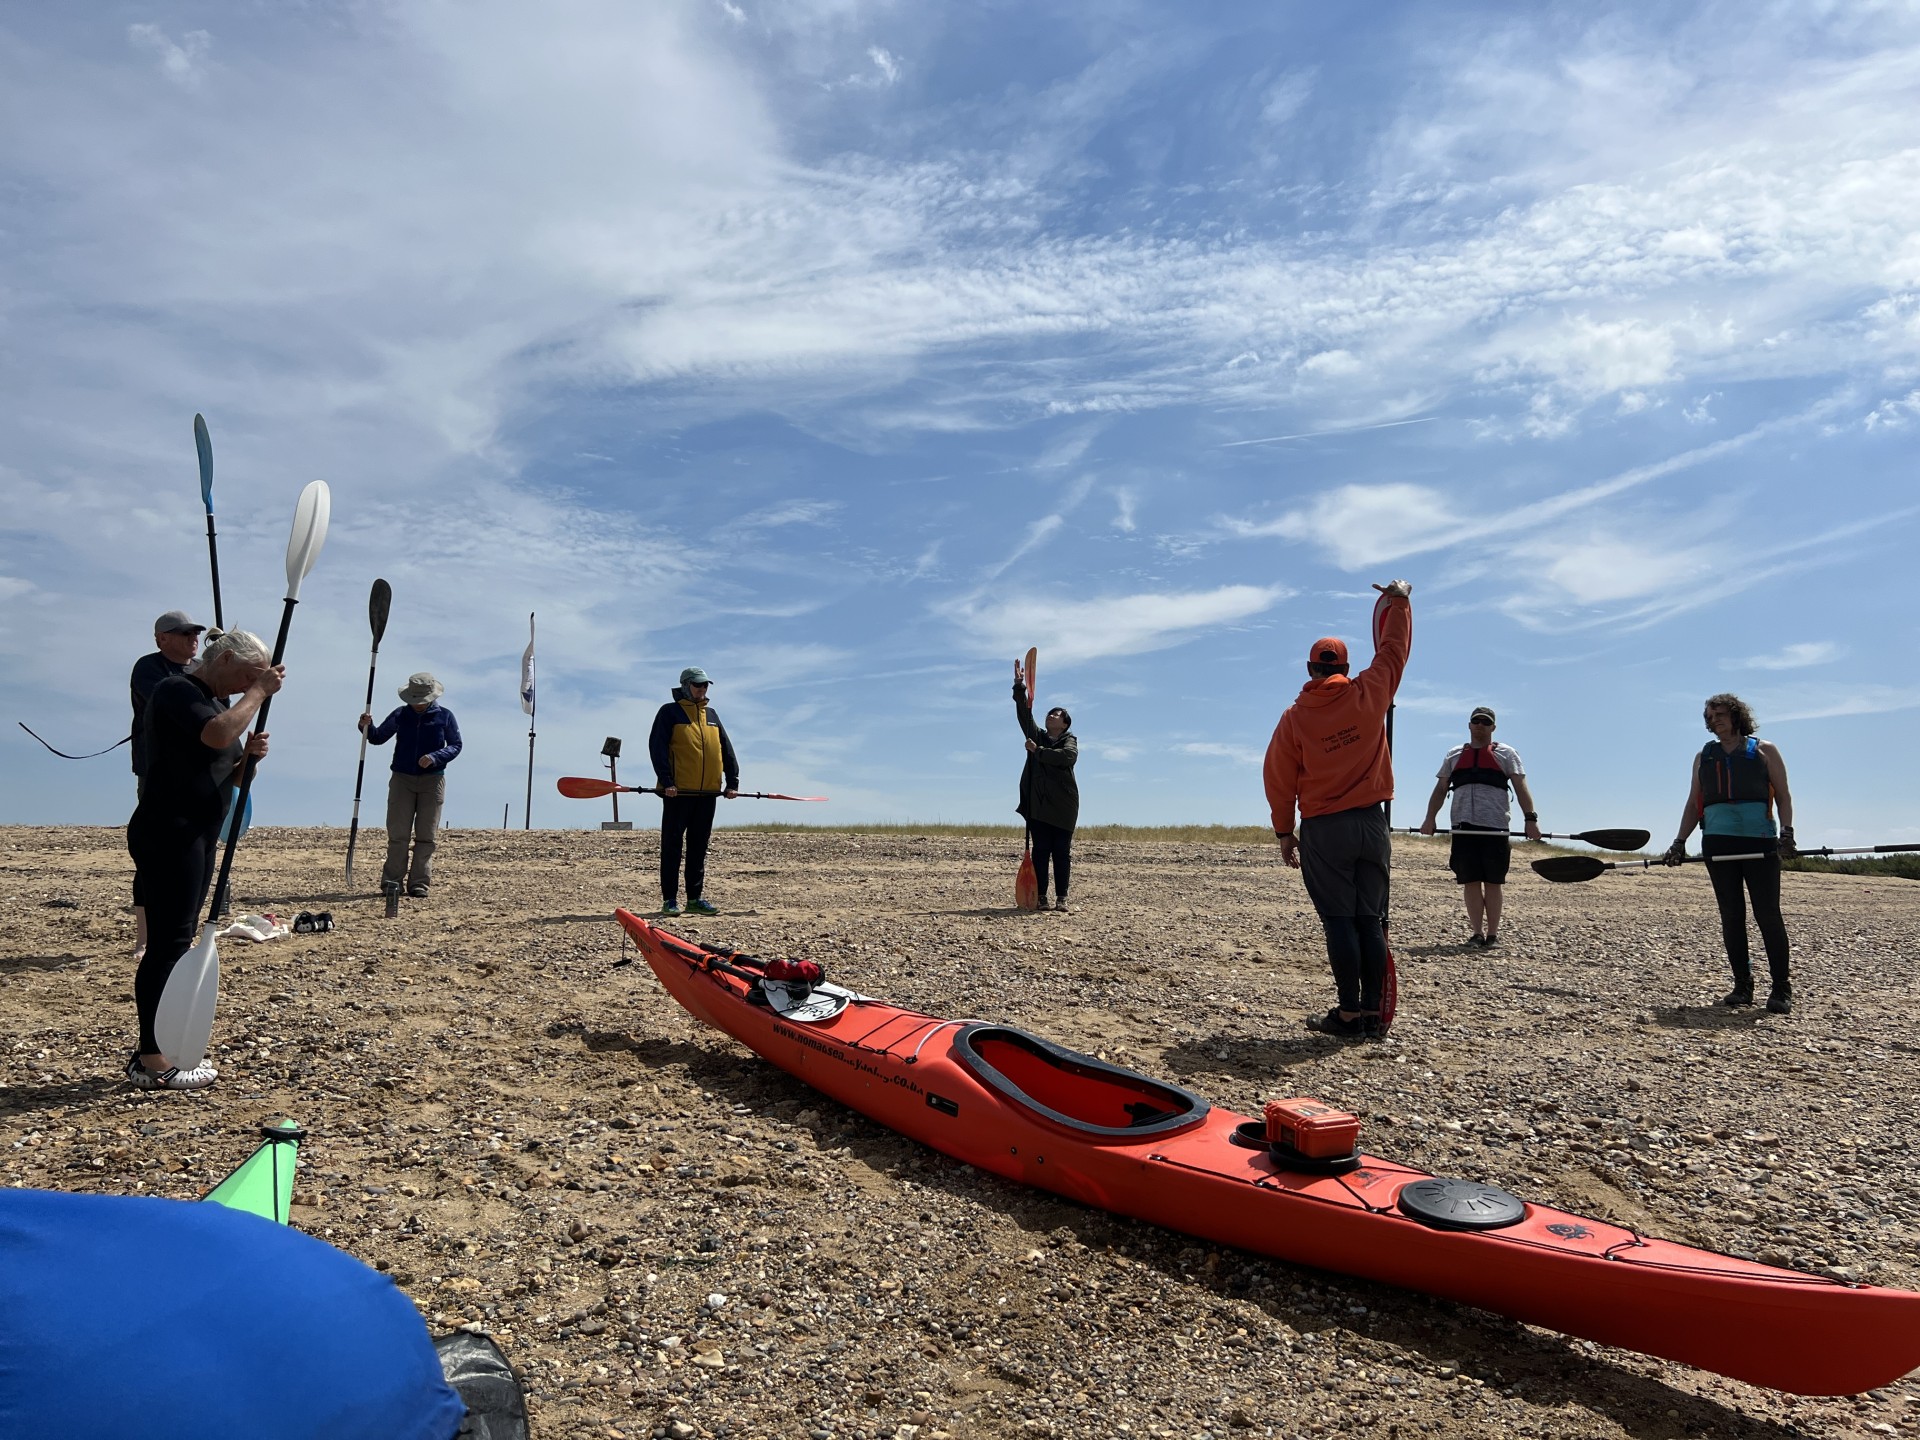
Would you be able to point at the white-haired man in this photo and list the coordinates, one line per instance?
(194, 749)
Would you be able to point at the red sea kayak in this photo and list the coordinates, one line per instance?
(1010, 1102)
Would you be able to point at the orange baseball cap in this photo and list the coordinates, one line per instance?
(1328, 651)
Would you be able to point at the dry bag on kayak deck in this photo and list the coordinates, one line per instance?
(126, 1316)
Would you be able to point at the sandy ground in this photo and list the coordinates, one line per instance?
(670, 1237)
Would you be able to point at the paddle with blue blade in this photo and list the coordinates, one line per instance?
(262, 1184)
(378, 604)
(184, 1021)
(203, 442)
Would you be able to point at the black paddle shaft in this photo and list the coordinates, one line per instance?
(239, 807)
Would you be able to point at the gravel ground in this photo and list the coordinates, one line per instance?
(670, 1237)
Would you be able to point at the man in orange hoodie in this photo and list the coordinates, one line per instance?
(1329, 759)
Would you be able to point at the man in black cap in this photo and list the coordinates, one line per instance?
(1480, 774)
(694, 765)
(176, 638)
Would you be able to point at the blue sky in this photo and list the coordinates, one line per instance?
(848, 348)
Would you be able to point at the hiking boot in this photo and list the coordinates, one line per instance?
(417, 892)
(669, 907)
(1331, 1024)
(1739, 995)
(701, 907)
(1060, 905)
(1041, 904)
(1780, 1002)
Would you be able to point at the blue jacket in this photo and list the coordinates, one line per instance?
(433, 732)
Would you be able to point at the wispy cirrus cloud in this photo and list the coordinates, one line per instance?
(1792, 657)
(1075, 630)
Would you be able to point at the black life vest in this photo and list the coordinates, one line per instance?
(1739, 778)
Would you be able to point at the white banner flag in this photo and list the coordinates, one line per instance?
(526, 671)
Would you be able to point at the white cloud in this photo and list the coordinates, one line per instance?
(1072, 631)
(183, 62)
(1866, 700)
(1362, 525)
(1123, 501)
(1896, 413)
(1239, 754)
(1792, 657)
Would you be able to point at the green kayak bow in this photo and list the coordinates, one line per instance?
(263, 1183)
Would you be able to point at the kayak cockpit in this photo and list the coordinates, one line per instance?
(1085, 1094)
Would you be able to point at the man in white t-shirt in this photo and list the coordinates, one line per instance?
(1482, 776)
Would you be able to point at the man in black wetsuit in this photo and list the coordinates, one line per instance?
(176, 638)
(193, 751)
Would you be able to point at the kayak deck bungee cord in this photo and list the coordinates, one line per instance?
(1028, 1110)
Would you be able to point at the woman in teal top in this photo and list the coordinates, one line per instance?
(1739, 781)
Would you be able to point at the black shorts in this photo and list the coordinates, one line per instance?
(1477, 861)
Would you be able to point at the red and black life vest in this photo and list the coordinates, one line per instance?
(1478, 765)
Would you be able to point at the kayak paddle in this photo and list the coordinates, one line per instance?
(1390, 990)
(203, 442)
(1599, 839)
(1033, 654)
(582, 787)
(1565, 869)
(378, 603)
(184, 1021)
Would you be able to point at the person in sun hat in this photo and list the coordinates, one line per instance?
(1739, 781)
(176, 640)
(426, 740)
(194, 744)
(1329, 759)
(694, 765)
(1480, 774)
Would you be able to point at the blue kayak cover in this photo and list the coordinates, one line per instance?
(123, 1316)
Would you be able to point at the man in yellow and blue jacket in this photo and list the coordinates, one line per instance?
(694, 764)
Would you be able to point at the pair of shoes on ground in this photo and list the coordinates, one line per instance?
(1485, 942)
(309, 922)
(694, 907)
(171, 1078)
(1779, 1001)
(1060, 904)
(1360, 1027)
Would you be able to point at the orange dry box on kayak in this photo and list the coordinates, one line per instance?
(1312, 1128)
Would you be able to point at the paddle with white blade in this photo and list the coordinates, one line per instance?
(1568, 869)
(184, 1021)
(378, 603)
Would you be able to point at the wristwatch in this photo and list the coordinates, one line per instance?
(1530, 817)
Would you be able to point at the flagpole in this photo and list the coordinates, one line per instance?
(528, 702)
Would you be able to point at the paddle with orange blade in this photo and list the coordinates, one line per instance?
(582, 787)
(1390, 989)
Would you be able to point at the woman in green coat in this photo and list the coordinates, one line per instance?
(1049, 795)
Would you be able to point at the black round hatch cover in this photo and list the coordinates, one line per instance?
(1461, 1205)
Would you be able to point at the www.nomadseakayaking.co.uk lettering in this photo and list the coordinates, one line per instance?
(833, 1052)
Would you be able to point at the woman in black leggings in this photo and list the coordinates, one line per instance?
(1738, 782)
(1049, 795)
